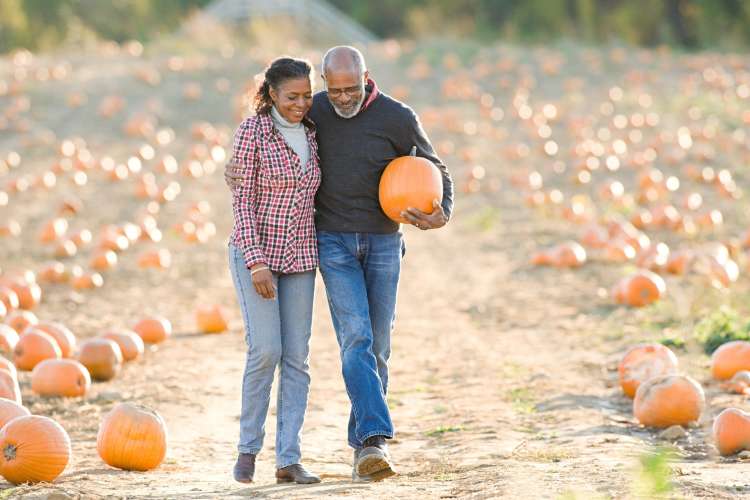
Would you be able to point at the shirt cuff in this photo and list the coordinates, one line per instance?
(253, 256)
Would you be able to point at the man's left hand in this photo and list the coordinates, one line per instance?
(426, 221)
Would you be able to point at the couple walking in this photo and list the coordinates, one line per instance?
(304, 176)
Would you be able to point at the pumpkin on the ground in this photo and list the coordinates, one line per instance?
(730, 358)
(62, 335)
(132, 437)
(102, 357)
(153, 330)
(130, 343)
(8, 340)
(643, 362)
(9, 388)
(211, 318)
(20, 320)
(731, 431)
(33, 449)
(34, 347)
(60, 377)
(9, 410)
(668, 400)
(641, 289)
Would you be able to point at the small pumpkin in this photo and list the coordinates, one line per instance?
(730, 358)
(60, 377)
(34, 347)
(668, 400)
(33, 449)
(8, 340)
(641, 289)
(62, 335)
(102, 357)
(9, 410)
(643, 362)
(409, 181)
(131, 344)
(10, 298)
(731, 431)
(157, 259)
(9, 367)
(739, 383)
(103, 260)
(9, 388)
(20, 320)
(29, 294)
(211, 318)
(132, 437)
(153, 330)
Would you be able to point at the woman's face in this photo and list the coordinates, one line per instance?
(293, 98)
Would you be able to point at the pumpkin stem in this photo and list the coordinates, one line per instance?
(413, 151)
(9, 452)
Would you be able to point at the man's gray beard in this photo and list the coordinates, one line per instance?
(354, 110)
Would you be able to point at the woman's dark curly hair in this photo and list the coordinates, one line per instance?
(279, 71)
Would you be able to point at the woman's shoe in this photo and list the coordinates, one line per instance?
(295, 473)
(244, 469)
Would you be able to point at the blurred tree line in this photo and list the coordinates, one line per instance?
(691, 24)
(42, 24)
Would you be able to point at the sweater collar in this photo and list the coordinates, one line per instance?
(372, 88)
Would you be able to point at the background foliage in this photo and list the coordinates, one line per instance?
(689, 24)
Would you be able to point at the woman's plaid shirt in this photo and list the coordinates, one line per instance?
(273, 206)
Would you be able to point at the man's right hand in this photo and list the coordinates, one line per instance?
(263, 281)
(233, 175)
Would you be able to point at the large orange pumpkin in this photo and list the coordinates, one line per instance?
(132, 438)
(33, 449)
(730, 358)
(130, 343)
(211, 318)
(153, 329)
(9, 388)
(102, 357)
(668, 400)
(643, 362)
(62, 335)
(33, 348)
(409, 181)
(9, 410)
(731, 431)
(8, 340)
(60, 377)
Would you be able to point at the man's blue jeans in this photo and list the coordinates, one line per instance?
(361, 271)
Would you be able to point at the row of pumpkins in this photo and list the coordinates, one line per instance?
(648, 373)
(36, 448)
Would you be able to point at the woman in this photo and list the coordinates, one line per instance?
(273, 257)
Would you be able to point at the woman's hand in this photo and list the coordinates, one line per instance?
(263, 281)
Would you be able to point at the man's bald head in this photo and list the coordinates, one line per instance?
(343, 59)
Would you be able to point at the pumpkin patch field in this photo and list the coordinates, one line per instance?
(584, 315)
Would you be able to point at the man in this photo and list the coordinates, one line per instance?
(359, 131)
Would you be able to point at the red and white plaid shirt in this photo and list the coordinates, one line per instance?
(273, 206)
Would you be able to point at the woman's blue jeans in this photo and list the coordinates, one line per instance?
(277, 333)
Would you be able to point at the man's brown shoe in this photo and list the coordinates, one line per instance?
(244, 469)
(295, 473)
(374, 460)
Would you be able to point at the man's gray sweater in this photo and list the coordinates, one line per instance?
(353, 154)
